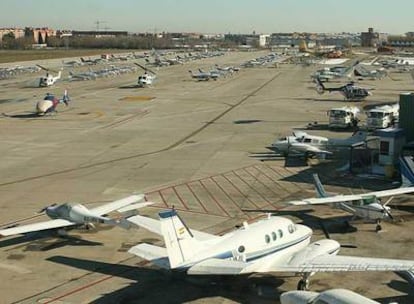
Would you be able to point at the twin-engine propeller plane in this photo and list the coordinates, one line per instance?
(50, 102)
(350, 91)
(366, 205)
(66, 215)
(48, 80)
(274, 244)
(302, 143)
(200, 76)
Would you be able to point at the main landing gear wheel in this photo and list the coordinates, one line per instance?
(303, 285)
(378, 227)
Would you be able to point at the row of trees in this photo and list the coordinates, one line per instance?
(122, 42)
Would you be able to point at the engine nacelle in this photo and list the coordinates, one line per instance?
(315, 249)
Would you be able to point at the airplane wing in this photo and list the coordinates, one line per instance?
(119, 204)
(319, 263)
(353, 197)
(58, 223)
(333, 263)
(155, 227)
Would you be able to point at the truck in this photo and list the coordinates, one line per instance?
(382, 116)
(343, 117)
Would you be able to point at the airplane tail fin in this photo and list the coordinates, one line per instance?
(320, 190)
(179, 241)
(407, 171)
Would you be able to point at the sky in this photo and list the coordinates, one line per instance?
(212, 16)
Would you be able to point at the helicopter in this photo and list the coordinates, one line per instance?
(48, 80)
(146, 79)
(350, 91)
(50, 102)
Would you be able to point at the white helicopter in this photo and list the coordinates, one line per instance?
(146, 79)
(48, 80)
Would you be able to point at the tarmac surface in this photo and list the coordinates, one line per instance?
(185, 144)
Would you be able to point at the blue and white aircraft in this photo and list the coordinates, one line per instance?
(365, 205)
(274, 244)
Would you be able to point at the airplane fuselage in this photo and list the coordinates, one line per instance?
(274, 238)
(372, 211)
(75, 213)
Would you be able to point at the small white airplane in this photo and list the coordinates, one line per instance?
(366, 205)
(200, 76)
(66, 215)
(327, 74)
(333, 296)
(146, 79)
(312, 145)
(72, 63)
(274, 244)
(48, 80)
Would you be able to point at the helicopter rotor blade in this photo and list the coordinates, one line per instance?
(145, 68)
(46, 69)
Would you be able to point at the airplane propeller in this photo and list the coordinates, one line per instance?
(387, 210)
(45, 208)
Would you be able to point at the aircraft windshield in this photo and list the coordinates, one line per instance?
(375, 114)
(337, 113)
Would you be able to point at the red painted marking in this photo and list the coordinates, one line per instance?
(269, 177)
(282, 176)
(214, 199)
(230, 198)
(180, 198)
(265, 199)
(196, 197)
(162, 198)
(238, 189)
(259, 181)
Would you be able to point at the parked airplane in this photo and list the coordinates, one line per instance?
(50, 102)
(333, 296)
(90, 75)
(274, 244)
(66, 215)
(147, 78)
(327, 74)
(72, 63)
(91, 61)
(203, 76)
(312, 145)
(361, 71)
(350, 91)
(48, 80)
(366, 205)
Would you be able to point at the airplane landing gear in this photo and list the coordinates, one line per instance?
(378, 228)
(303, 284)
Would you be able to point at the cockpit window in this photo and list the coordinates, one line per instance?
(291, 228)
